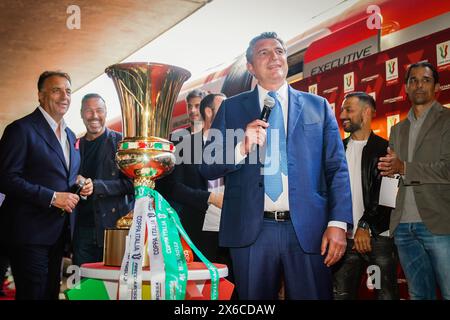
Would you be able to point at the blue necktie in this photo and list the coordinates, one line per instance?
(272, 183)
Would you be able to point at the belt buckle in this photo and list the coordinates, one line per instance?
(276, 216)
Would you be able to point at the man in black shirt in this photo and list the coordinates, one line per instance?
(368, 244)
(113, 192)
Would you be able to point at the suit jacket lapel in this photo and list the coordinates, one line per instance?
(196, 143)
(251, 105)
(82, 141)
(427, 125)
(72, 140)
(45, 131)
(403, 145)
(295, 109)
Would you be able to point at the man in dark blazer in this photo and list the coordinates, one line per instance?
(38, 169)
(189, 189)
(419, 150)
(113, 192)
(292, 220)
(193, 99)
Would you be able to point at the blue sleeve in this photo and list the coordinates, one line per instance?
(218, 153)
(336, 170)
(14, 146)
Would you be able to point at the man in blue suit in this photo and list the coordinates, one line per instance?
(38, 169)
(286, 216)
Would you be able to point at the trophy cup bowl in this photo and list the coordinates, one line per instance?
(147, 93)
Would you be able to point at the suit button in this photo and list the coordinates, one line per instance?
(113, 210)
(260, 184)
(113, 173)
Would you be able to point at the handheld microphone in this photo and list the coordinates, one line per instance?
(269, 103)
(79, 186)
(76, 189)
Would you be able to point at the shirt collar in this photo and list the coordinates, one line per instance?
(53, 124)
(282, 93)
(412, 117)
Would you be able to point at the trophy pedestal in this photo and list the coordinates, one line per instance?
(198, 286)
(114, 248)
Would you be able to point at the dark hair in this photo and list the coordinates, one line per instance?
(207, 102)
(195, 93)
(47, 74)
(264, 35)
(363, 98)
(423, 64)
(91, 96)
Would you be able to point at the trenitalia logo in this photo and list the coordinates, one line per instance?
(392, 69)
(442, 55)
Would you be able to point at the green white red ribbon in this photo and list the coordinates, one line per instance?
(168, 269)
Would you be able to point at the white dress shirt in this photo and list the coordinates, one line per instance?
(282, 203)
(63, 141)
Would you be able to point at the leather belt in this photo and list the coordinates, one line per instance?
(277, 215)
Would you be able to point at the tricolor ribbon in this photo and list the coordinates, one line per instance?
(168, 269)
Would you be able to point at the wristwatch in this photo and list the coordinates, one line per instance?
(363, 224)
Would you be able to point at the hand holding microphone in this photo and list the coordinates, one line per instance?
(85, 187)
(269, 103)
(255, 132)
(67, 201)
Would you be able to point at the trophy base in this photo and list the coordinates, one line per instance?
(114, 248)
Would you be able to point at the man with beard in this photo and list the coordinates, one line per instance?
(419, 150)
(368, 243)
(112, 196)
(193, 99)
(190, 190)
